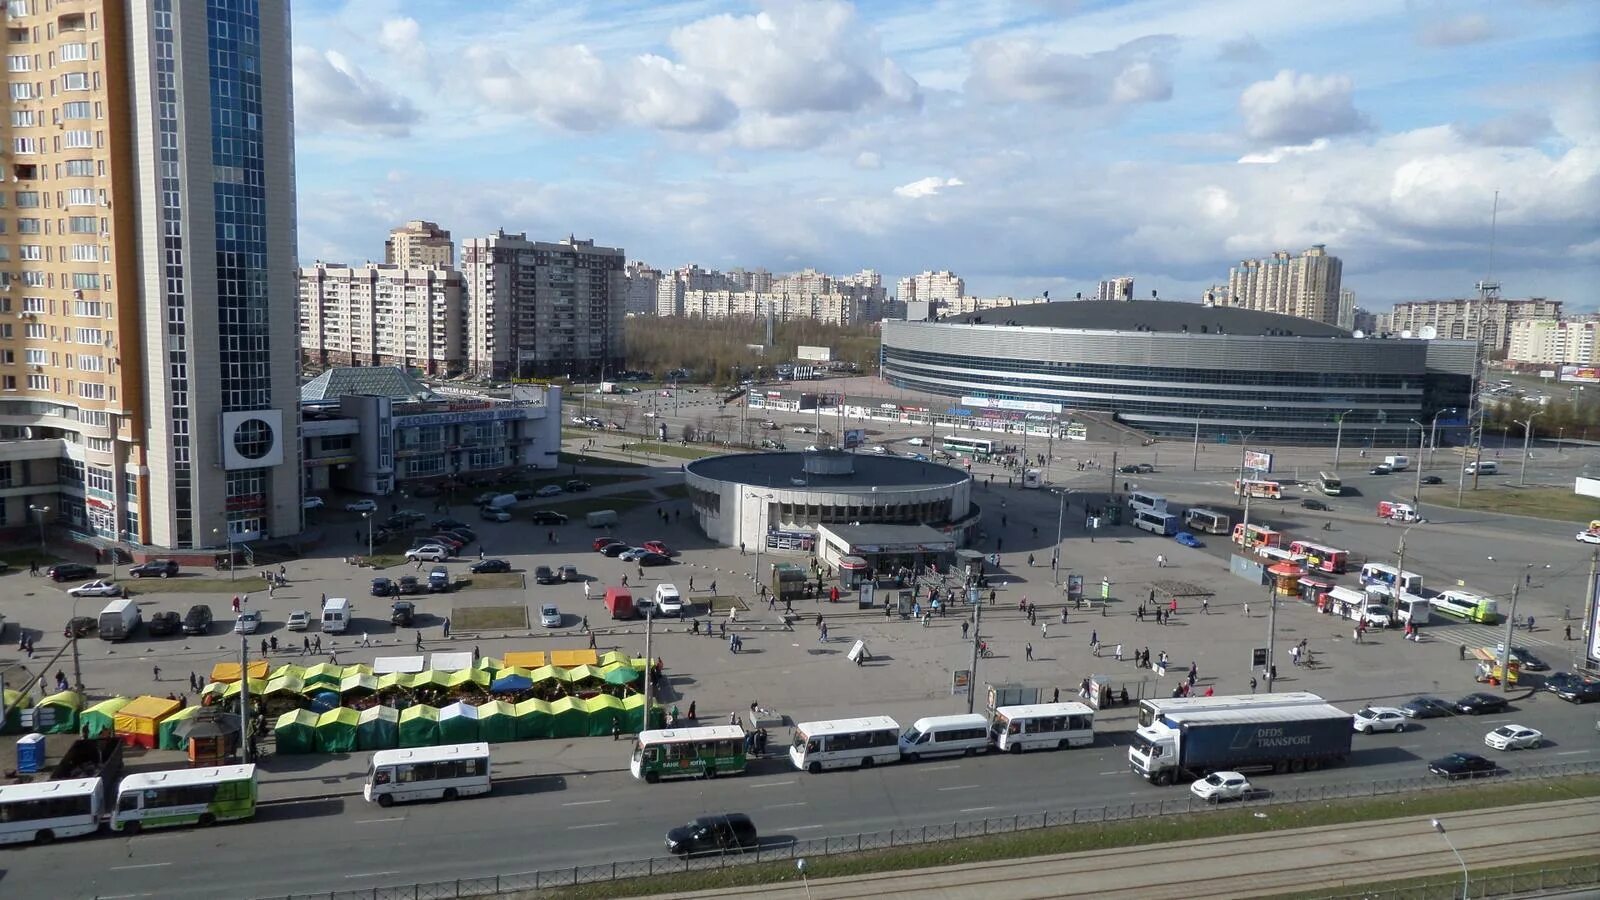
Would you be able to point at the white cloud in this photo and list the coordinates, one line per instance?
(664, 94)
(868, 159)
(403, 38)
(1516, 129)
(1298, 108)
(333, 93)
(1471, 28)
(1279, 154)
(1012, 70)
(926, 187)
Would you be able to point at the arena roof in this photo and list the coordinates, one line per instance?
(1149, 315)
(780, 470)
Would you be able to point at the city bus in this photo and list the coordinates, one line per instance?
(1261, 490)
(1256, 536)
(976, 448)
(1162, 523)
(46, 810)
(1077, 431)
(185, 797)
(1207, 520)
(965, 733)
(1471, 607)
(706, 751)
(427, 773)
(1324, 558)
(1147, 501)
(1154, 708)
(837, 743)
(1032, 478)
(1042, 726)
(1391, 579)
(1329, 484)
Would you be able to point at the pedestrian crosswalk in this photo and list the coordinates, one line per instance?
(1476, 635)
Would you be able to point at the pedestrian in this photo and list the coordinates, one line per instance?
(1152, 597)
(1205, 606)
(305, 645)
(446, 626)
(316, 644)
(1247, 609)
(365, 640)
(480, 553)
(1158, 615)
(1094, 637)
(158, 672)
(324, 600)
(1027, 650)
(1527, 579)
(1172, 608)
(419, 639)
(1063, 615)
(1030, 560)
(1161, 561)
(712, 588)
(1118, 653)
(1252, 684)
(1055, 695)
(1530, 623)
(592, 644)
(965, 625)
(585, 624)
(1568, 633)
(823, 639)
(263, 646)
(691, 582)
(586, 590)
(1044, 631)
(1357, 633)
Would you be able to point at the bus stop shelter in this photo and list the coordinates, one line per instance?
(886, 547)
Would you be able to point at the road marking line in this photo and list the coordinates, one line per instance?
(773, 784)
(782, 805)
(1573, 752)
(585, 802)
(977, 809)
(1112, 772)
(940, 768)
(144, 866)
(802, 827)
(595, 825)
(371, 821)
(960, 787)
(373, 874)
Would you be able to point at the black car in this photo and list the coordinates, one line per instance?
(164, 623)
(1432, 479)
(1573, 687)
(652, 559)
(155, 568)
(545, 575)
(1462, 765)
(384, 587)
(441, 524)
(548, 517)
(1380, 469)
(1428, 708)
(1526, 661)
(197, 620)
(439, 580)
(727, 833)
(615, 550)
(70, 572)
(486, 566)
(409, 584)
(523, 493)
(402, 613)
(1479, 703)
(1136, 469)
(576, 486)
(1312, 504)
(83, 626)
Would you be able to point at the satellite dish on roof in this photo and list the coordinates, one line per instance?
(1358, 334)
(1428, 333)
(1406, 333)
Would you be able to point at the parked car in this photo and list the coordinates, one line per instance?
(1573, 687)
(70, 572)
(358, 506)
(1219, 786)
(384, 587)
(96, 589)
(82, 626)
(312, 503)
(615, 549)
(549, 490)
(631, 554)
(600, 543)
(1369, 719)
(570, 574)
(1478, 703)
(410, 584)
(488, 566)
(577, 486)
(197, 620)
(247, 623)
(402, 613)
(442, 524)
(467, 535)
(1314, 505)
(439, 580)
(157, 568)
(165, 623)
(1188, 540)
(1432, 479)
(657, 547)
(1514, 737)
(548, 517)
(545, 575)
(550, 615)
(1428, 708)
(299, 620)
(448, 540)
(1462, 765)
(724, 833)
(494, 514)
(430, 552)
(653, 559)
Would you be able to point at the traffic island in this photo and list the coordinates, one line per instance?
(488, 618)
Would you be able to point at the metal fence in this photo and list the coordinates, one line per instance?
(1511, 884)
(1183, 803)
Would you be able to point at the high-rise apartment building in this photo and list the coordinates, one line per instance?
(1306, 286)
(965, 305)
(538, 309)
(146, 272)
(931, 287)
(1347, 310)
(1364, 321)
(673, 285)
(1488, 321)
(382, 315)
(832, 307)
(1119, 288)
(1547, 342)
(417, 244)
(640, 288)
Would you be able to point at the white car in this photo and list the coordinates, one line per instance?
(879, 449)
(312, 503)
(429, 552)
(299, 620)
(247, 623)
(1379, 718)
(96, 589)
(549, 490)
(550, 616)
(1220, 786)
(1514, 737)
(668, 601)
(1589, 537)
(367, 505)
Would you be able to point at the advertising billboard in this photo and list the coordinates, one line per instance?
(1259, 460)
(1594, 625)
(854, 437)
(1581, 374)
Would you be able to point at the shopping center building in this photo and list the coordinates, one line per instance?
(1183, 369)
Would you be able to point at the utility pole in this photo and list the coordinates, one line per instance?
(649, 665)
(1527, 434)
(977, 641)
(1055, 554)
(1416, 490)
(1338, 438)
(1272, 632)
(244, 698)
(1195, 465)
(1511, 627)
(1113, 473)
(1588, 607)
(77, 669)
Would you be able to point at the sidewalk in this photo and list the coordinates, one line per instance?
(1331, 858)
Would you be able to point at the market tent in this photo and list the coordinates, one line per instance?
(386, 665)
(450, 661)
(510, 683)
(567, 718)
(547, 673)
(288, 670)
(378, 728)
(358, 683)
(464, 677)
(633, 714)
(431, 677)
(287, 683)
(138, 722)
(419, 726)
(227, 672)
(336, 730)
(63, 708)
(296, 732)
(489, 664)
(101, 718)
(322, 700)
(258, 686)
(527, 659)
(578, 674)
(166, 734)
(394, 680)
(13, 701)
(566, 659)
(458, 724)
(325, 673)
(613, 656)
(497, 722)
(357, 669)
(603, 711)
(619, 674)
(533, 719)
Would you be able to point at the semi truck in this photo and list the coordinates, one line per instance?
(1183, 746)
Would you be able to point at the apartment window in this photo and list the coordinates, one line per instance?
(27, 199)
(38, 382)
(29, 226)
(85, 281)
(104, 445)
(89, 390)
(76, 168)
(85, 253)
(20, 63)
(89, 335)
(33, 304)
(35, 332)
(94, 417)
(74, 52)
(79, 140)
(33, 279)
(9, 382)
(90, 308)
(83, 224)
(80, 197)
(21, 90)
(30, 251)
(77, 109)
(75, 81)
(35, 357)
(25, 145)
(91, 363)
(17, 9)
(22, 118)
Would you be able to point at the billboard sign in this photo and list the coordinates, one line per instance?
(1594, 625)
(1259, 460)
(854, 437)
(1581, 374)
(791, 541)
(1020, 405)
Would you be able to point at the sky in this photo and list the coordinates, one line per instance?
(1027, 145)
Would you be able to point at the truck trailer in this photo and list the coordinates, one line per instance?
(1182, 746)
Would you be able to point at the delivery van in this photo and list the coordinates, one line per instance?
(336, 615)
(619, 602)
(504, 501)
(601, 518)
(119, 620)
(1397, 463)
(1483, 467)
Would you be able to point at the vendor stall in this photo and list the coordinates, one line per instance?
(138, 722)
(101, 719)
(378, 728)
(336, 730)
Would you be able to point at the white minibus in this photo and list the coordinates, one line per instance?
(427, 773)
(838, 743)
(1042, 726)
(967, 733)
(1391, 580)
(1157, 522)
(46, 810)
(1140, 500)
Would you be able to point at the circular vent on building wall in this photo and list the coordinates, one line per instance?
(253, 439)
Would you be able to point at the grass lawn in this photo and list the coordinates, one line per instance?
(208, 585)
(668, 449)
(568, 458)
(490, 581)
(1099, 836)
(1559, 503)
(1588, 870)
(488, 618)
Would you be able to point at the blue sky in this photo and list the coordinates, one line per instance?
(1028, 145)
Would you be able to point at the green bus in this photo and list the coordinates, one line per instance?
(703, 752)
(185, 797)
(975, 448)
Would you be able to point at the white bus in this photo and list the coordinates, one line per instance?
(185, 797)
(977, 448)
(1468, 606)
(967, 733)
(1032, 478)
(1391, 579)
(1042, 726)
(427, 773)
(1207, 520)
(1329, 484)
(1143, 500)
(837, 743)
(1162, 523)
(1413, 609)
(47, 810)
(1156, 707)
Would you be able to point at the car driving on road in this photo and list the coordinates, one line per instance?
(1478, 703)
(1428, 708)
(96, 589)
(1462, 765)
(1370, 719)
(1514, 737)
(155, 568)
(1219, 786)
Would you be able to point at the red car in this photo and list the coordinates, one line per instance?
(657, 547)
(600, 543)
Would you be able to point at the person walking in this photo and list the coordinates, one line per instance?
(1044, 631)
(1161, 560)
(1118, 653)
(1247, 609)
(365, 640)
(419, 639)
(1252, 684)
(157, 671)
(1027, 651)
(1094, 638)
(964, 626)
(1063, 615)
(1205, 606)
(822, 634)
(592, 644)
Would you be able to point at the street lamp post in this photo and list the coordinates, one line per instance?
(227, 535)
(1466, 877)
(1055, 553)
(1527, 434)
(1338, 438)
(41, 510)
(1244, 440)
(1416, 488)
(368, 517)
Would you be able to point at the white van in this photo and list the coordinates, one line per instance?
(945, 735)
(119, 620)
(918, 442)
(1397, 463)
(336, 615)
(668, 601)
(601, 518)
(1483, 467)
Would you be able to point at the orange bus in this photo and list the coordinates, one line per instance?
(1323, 557)
(1253, 536)
(1262, 490)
